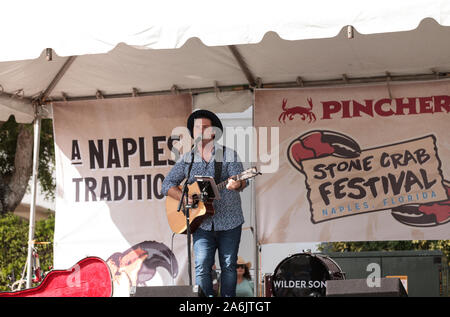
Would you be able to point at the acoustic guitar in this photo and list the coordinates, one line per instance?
(202, 208)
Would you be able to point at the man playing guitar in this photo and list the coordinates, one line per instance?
(222, 230)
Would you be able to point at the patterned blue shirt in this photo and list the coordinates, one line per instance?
(228, 211)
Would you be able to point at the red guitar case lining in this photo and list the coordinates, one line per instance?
(90, 277)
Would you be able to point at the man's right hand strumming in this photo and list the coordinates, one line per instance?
(176, 193)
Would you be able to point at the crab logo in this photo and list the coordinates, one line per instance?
(303, 112)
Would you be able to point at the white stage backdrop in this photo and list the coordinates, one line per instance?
(359, 163)
(111, 158)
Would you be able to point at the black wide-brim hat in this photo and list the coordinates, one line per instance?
(215, 121)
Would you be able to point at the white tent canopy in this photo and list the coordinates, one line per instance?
(91, 27)
(129, 48)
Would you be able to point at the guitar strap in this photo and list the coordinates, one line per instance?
(218, 162)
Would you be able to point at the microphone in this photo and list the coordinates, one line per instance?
(196, 142)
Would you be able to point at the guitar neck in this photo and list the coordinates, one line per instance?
(247, 174)
(223, 184)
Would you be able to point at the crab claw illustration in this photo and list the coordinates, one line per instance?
(159, 255)
(320, 143)
(139, 263)
(424, 215)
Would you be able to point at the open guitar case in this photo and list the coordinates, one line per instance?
(90, 277)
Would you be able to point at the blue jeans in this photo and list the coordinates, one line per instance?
(205, 245)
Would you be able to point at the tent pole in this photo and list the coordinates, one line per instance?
(37, 132)
(243, 65)
(255, 219)
(256, 245)
(293, 84)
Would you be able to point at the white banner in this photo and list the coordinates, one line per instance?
(111, 158)
(358, 163)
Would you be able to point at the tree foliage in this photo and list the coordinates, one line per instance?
(14, 247)
(358, 246)
(8, 140)
(9, 132)
(47, 159)
(16, 146)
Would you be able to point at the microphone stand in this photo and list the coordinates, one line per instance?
(186, 207)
